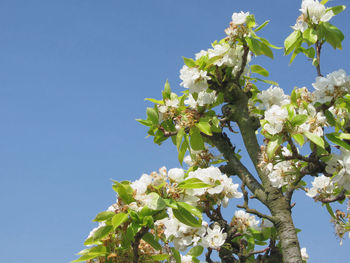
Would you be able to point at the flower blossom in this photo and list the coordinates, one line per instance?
(194, 79)
(272, 96)
(315, 11)
(304, 255)
(239, 18)
(335, 85)
(215, 238)
(242, 221)
(276, 116)
(321, 185)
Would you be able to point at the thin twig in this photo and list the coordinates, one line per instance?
(136, 243)
(318, 46)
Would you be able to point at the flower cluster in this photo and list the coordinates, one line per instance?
(242, 221)
(335, 85)
(322, 186)
(340, 166)
(237, 26)
(222, 188)
(315, 12)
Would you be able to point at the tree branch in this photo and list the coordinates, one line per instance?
(136, 243)
(235, 167)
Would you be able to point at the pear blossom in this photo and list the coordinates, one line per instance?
(239, 18)
(335, 85)
(242, 221)
(276, 116)
(300, 25)
(304, 255)
(272, 96)
(176, 174)
(281, 174)
(321, 185)
(315, 11)
(194, 79)
(340, 165)
(215, 237)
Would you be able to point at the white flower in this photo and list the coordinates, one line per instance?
(272, 96)
(205, 98)
(300, 25)
(242, 221)
(281, 174)
(200, 54)
(176, 174)
(276, 117)
(141, 184)
(315, 11)
(239, 18)
(194, 79)
(186, 259)
(214, 238)
(304, 255)
(335, 85)
(188, 160)
(321, 184)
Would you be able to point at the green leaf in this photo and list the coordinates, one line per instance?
(155, 101)
(152, 115)
(119, 219)
(293, 97)
(193, 183)
(196, 140)
(291, 41)
(102, 232)
(104, 216)
(189, 62)
(299, 138)
(204, 127)
(254, 46)
(298, 120)
(193, 210)
(323, 2)
(179, 136)
(344, 136)
(272, 147)
(186, 217)
(310, 35)
(170, 203)
(266, 50)
(337, 9)
(145, 122)
(182, 150)
(259, 70)
(157, 203)
(176, 255)
(160, 257)
(333, 137)
(196, 251)
(330, 118)
(167, 91)
(262, 26)
(315, 139)
(333, 35)
(310, 52)
(330, 210)
(250, 21)
(150, 239)
(88, 257)
(125, 192)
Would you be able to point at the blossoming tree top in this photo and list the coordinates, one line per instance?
(159, 217)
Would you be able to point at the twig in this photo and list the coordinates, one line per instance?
(332, 199)
(136, 243)
(207, 255)
(318, 46)
(244, 62)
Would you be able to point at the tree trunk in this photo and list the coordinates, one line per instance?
(280, 209)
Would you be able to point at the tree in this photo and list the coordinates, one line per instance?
(301, 135)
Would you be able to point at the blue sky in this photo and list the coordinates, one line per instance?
(74, 75)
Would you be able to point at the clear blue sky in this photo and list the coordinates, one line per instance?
(74, 75)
